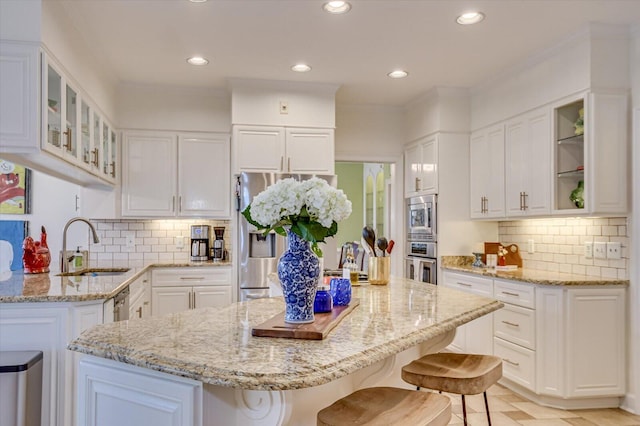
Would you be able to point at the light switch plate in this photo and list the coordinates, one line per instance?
(130, 240)
(179, 242)
(531, 246)
(600, 250)
(614, 250)
(588, 250)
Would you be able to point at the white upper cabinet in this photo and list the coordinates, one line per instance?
(528, 164)
(168, 175)
(204, 176)
(421, 167)
(591, 155)
(487, 173)
(266, 149)
(48, 120)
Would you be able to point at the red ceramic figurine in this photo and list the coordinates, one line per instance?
(36, 257)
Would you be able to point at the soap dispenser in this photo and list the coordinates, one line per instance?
(78, 259)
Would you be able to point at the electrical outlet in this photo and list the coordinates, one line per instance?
(588, 250)
(179, 242)
(600, 250)
(531, 246)
(284, 107)
(614, 250)
(130, 241)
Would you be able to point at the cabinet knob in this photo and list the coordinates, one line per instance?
(113, 169)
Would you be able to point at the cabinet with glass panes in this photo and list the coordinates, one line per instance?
(591, 145)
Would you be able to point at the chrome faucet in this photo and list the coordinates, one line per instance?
(64, 266)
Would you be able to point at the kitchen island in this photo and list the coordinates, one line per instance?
(204, 366)
(47, 311)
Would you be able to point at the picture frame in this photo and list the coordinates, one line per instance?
(15, 188)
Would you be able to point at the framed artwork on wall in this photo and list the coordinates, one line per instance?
(15, 188)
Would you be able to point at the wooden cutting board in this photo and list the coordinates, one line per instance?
(317, 330)
(513, 253)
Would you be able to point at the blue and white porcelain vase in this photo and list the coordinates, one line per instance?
(298, 270)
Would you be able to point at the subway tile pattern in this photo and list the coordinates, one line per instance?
(154, 241)
(559, 244)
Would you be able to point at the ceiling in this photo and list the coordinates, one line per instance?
(147, 41)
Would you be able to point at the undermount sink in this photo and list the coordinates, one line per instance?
(92, 272)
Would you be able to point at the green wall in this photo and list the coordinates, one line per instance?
(350, 181)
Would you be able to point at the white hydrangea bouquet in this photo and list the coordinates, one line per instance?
(311, 209)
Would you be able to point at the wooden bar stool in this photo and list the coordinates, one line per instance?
(463, 374)
(385, 406)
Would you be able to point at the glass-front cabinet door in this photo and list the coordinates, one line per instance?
(71, 124)
(95, 150)
(54, 110)
(113, 151)
(105, 149)
(570, 190)
(85, 132)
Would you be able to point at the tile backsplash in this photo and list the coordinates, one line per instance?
(154, 241)
(559, 244)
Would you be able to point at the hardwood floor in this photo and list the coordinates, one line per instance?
(509, 409)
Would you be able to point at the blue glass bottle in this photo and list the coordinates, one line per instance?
(341, 291)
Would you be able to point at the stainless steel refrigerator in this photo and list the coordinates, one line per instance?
(258, 254)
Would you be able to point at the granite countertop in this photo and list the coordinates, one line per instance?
(463, 264)
(215, 346)
(23, 288)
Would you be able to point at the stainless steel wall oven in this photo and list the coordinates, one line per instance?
(421, 263)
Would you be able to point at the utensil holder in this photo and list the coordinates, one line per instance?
(379, 270)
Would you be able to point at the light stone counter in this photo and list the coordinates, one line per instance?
(463, 264)
(24, 288)
(215, 346)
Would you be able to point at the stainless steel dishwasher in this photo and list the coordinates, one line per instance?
(121, 305)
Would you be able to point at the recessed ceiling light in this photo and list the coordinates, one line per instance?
(337, 7)
(197, 1)
(197, 60)
(301, 68)
(470, 18)
(398, 74)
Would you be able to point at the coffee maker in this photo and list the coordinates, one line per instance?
(200, 242)
(218, 244)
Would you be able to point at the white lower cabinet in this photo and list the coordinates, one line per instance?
(141, 398)
(563, 346)
(475, 336)
(49, 327)
(180, 289)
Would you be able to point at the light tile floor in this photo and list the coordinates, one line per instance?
(510, 409)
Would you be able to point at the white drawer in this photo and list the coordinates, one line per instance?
(516, 325)
(518, 363)
(469, 283)
(515, 293)
(191, 276)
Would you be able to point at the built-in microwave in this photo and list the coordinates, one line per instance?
(421, 218)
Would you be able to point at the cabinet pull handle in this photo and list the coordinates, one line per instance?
(481, 204)
(464, 284)
(145, 303)
(288, 164)
(173, 203)
(521, 201)
(113, 169)
(192, 278)
(194, 300)
(508, 361)
(417, 184)
(524, 201)
(95, 153)
(508, 293)
(189, 300)
(511, 324)
(282, 162)
(180, 203)
(486, 205)
(139, 312)
(67, 144)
